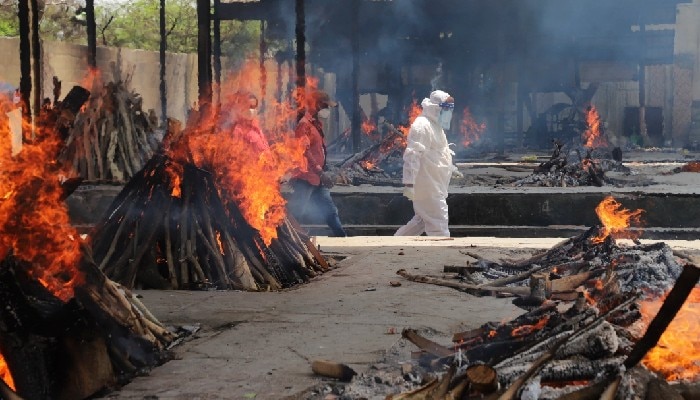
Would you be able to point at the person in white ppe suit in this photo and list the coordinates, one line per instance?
(427, 167)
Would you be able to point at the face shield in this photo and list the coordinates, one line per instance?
(445, 117)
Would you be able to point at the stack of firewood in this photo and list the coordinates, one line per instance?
(155, 238)
(112, 137)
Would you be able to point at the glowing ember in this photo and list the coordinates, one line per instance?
(525, 330)
(492, 333)
(368, 165)
(615, 219)
(677, 354)
(593, 136)
(34, 222)
(470, 129)
(368, 127)
(5, 374)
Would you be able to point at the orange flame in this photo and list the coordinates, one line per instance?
(525, 330)
(5, 374)
(174, 172)
(414, 111)
(34, 223)
(368, 127)
(247, 171)
(593, 136)
(615, 219)
(366, 164)
(677, 353)
(470, 129)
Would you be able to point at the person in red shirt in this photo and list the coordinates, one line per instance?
(311, 196)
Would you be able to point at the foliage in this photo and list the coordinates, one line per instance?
(133, 24)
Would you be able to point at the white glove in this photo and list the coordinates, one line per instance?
(408, 192)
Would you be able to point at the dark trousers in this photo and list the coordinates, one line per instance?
(314, 202)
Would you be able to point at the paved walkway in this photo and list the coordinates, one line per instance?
(256, 345)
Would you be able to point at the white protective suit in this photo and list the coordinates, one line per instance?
(427, 164)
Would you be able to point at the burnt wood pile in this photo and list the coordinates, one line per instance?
(379, 164)
(577, 167)
(580, 339)
(112, 137)
(100, 338)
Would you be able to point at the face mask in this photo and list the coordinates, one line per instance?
(445, 118)
(324, 113)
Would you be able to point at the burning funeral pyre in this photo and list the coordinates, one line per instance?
(66, 331)
(207, 212)
(583, 164)
(597, 309)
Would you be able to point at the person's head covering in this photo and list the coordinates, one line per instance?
(320, 99)
(431, 105)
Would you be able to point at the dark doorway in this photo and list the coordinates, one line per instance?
(655, 125)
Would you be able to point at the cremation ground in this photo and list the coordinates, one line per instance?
(259, 345)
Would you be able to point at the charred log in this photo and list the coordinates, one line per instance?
(57, 350)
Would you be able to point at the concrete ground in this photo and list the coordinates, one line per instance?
(258, 345)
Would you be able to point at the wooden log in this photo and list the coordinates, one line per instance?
(521, 291)
(461, 270)
(426, 344)
(333, 370)
(563, 370)
(658, 389)
(540, 287)
(296, 228)
(482, 378)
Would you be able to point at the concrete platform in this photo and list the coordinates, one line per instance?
(257, 345)
(485, 203)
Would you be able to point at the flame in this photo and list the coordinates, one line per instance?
(366, 164)
(174, 172)
(525, 330)
(470, 129)
(34, 223)
(414, 110)
(492, 333)
(615, 219)
(368, 126)
(677, 354)
(219, 243)
(593, 136)
(246, 169)
(5, 374)
(589, 298)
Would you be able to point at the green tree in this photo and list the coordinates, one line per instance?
(132, 24)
